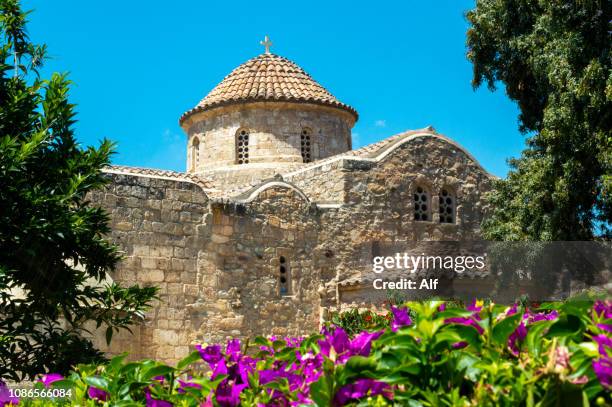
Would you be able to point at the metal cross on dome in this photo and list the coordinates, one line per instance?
(266, 43)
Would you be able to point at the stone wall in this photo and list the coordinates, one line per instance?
(321, 182)
(157, 224)
(241, 269)
(378, 207)
(274, 133)
(217, 262)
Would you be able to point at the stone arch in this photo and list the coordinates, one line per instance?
(412, 137)
(306, 143)
(241, 140)
(422, 193)
(447, 204)
(253, 193)
(195, 153)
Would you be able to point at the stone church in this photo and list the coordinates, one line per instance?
(266, 230)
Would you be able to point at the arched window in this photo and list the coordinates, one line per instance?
(447, 206)
(422, 207)
(242, 146)
(195, 153)
(283, 276)
(305, 140)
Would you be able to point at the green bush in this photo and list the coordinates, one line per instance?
(435, 355)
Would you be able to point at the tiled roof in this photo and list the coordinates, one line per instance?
(368, 151)
(268, 77)
(155, 173)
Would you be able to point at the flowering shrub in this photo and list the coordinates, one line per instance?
(430, 354)
(355, 321)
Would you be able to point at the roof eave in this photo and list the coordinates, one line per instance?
(204, 108)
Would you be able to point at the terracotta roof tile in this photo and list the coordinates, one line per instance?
(151, 172)
(267, 77)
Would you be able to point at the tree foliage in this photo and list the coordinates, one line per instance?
(554, 60)
(54, 257)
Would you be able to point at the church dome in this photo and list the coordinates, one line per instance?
(267, 78)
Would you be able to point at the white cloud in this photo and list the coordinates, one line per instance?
(380, 123)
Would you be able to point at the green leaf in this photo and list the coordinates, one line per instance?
(359, 366)
(159, 370)
(321, 391)
(109, 335)
(566, 325)
(505, 327)
(388, 361)
(97, 382)
(535, 336)
(188, 360)
(468, 362)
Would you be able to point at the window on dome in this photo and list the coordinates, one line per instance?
(422, 210)
(305, 141)
(447, 206)
(195, 153)
(242, 146)
(283, 276)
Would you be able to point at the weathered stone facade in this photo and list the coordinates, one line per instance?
(270, 247)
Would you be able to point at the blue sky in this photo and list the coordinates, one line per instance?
(138, 65)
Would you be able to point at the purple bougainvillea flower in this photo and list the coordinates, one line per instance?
(239, 372)
(603, 370)
(603, 309)
(519, 335)
(340, 340)
(468, 321)
(604, 341)
(541, 316)
(303, 399)
(459, 345)
(336, 339)
(362, 388)
(219, 369)
(512, 310)
(293, 342)
(208, 402)
(5, 396)
(184, 384)
(50, 378)
(605, 327)
(233, 349)
(97, 394)
(401, 318)
(475, 305)
(227, 393)
(151, 402)
(268, 375)
(210, 354)
(311, 367)
(362, 343)
(442, 307)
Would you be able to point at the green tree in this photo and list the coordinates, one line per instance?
(554, 59)
(54, 257)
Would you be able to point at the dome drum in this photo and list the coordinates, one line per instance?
(266, 112)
